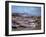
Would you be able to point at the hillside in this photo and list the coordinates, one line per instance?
(20, 22)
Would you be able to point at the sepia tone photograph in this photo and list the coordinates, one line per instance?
(26, 18)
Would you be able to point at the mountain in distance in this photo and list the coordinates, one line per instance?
(22, 14)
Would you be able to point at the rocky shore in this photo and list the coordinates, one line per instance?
(26, 23)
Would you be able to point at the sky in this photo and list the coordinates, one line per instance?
(31, 10)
